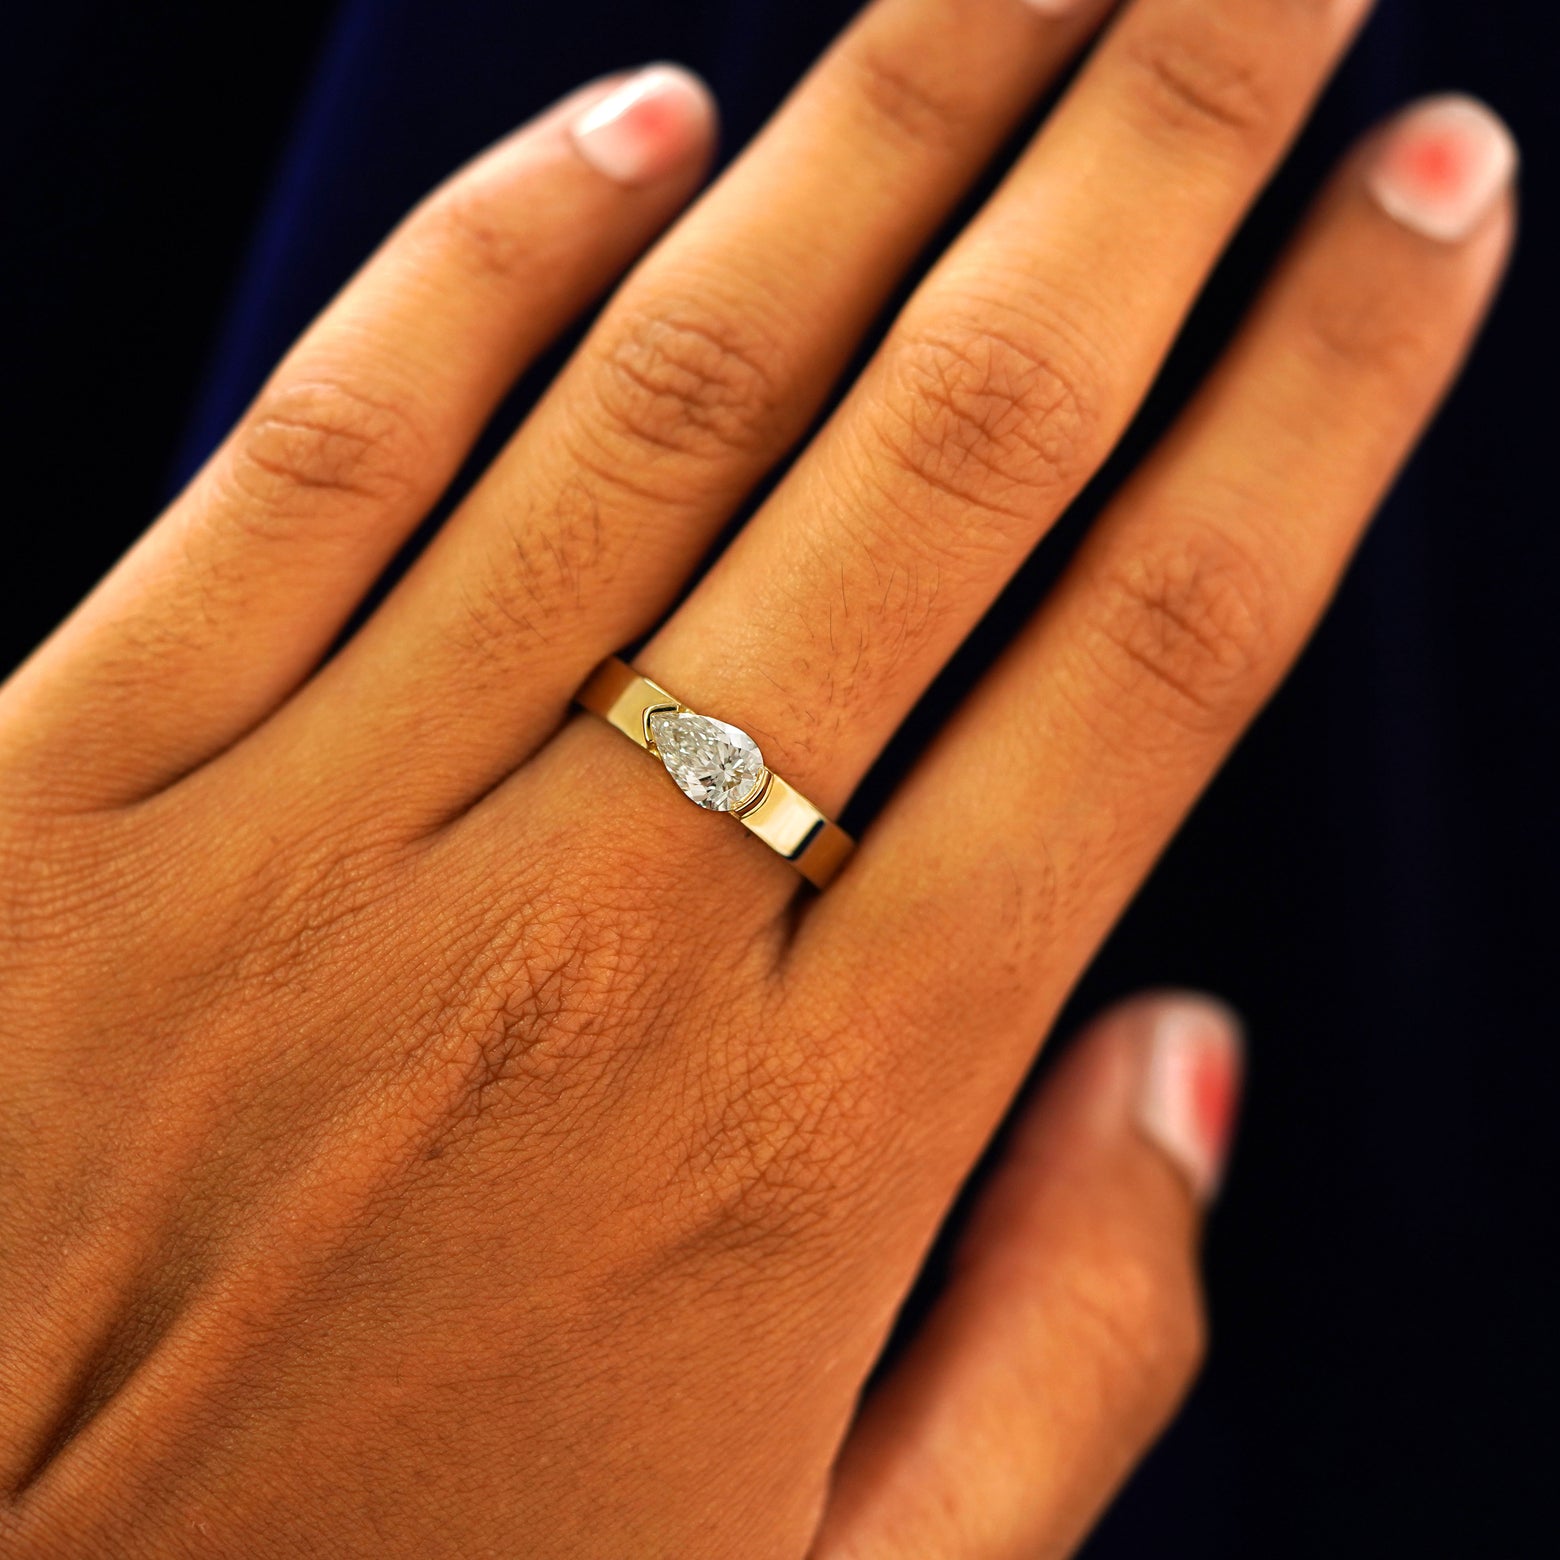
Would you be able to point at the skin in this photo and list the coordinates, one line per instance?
(389, 1163)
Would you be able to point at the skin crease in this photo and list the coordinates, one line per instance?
(403, 1153)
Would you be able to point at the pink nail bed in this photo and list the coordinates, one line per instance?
(1442, 166)
(646, 127)
(1190, 1087)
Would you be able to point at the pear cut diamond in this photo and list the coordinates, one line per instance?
(715, 764)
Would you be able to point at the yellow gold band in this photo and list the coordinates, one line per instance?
(777, 813)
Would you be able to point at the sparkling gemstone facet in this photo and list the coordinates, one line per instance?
(715, 764)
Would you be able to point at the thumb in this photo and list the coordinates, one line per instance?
(1073, 1320)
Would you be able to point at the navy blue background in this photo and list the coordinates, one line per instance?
(1370, 880)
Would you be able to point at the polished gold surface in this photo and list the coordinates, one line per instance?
(776, 812)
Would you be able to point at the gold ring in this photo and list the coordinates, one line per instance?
(718, 766)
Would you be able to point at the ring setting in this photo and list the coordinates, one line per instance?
(718, 767)
(715, 764)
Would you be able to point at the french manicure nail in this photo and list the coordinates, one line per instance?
(646, 127)
(1191, 1085)
(1442, 165)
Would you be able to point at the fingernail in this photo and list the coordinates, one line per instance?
(1055, 7)
(1191, 1086)
(646, 127)
(1442, 165)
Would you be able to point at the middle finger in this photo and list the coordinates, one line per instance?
(1002, 387)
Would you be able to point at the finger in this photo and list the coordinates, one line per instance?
(709, 364)
(1072, 1323)
(1195, 590)
(1003, 386)
(233, 596)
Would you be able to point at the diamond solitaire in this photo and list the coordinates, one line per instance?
(719, 767)
(716, 764)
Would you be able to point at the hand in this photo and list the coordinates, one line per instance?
(422, 1132)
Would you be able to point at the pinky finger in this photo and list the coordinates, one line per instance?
(1073, 1322)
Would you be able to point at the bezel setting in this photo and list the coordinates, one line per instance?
(716, 765)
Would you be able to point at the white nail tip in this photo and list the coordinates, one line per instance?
(1442, 166)
(1190, 1078)
(646, 126)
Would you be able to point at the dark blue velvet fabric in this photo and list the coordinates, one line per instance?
(1370, 879)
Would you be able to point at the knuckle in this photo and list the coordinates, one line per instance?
(1144, 1330)
(1185, 623)
(305, 908)
(472, 225)
(540, 1015)
(542, 563)
(320, 445)
(989, 420)
(901, 95)
(687, 380)
(1201, 75)
(546, 1003)
(517, 1024)
(1184, 1342)
(1363, 327)
(782, 1132)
